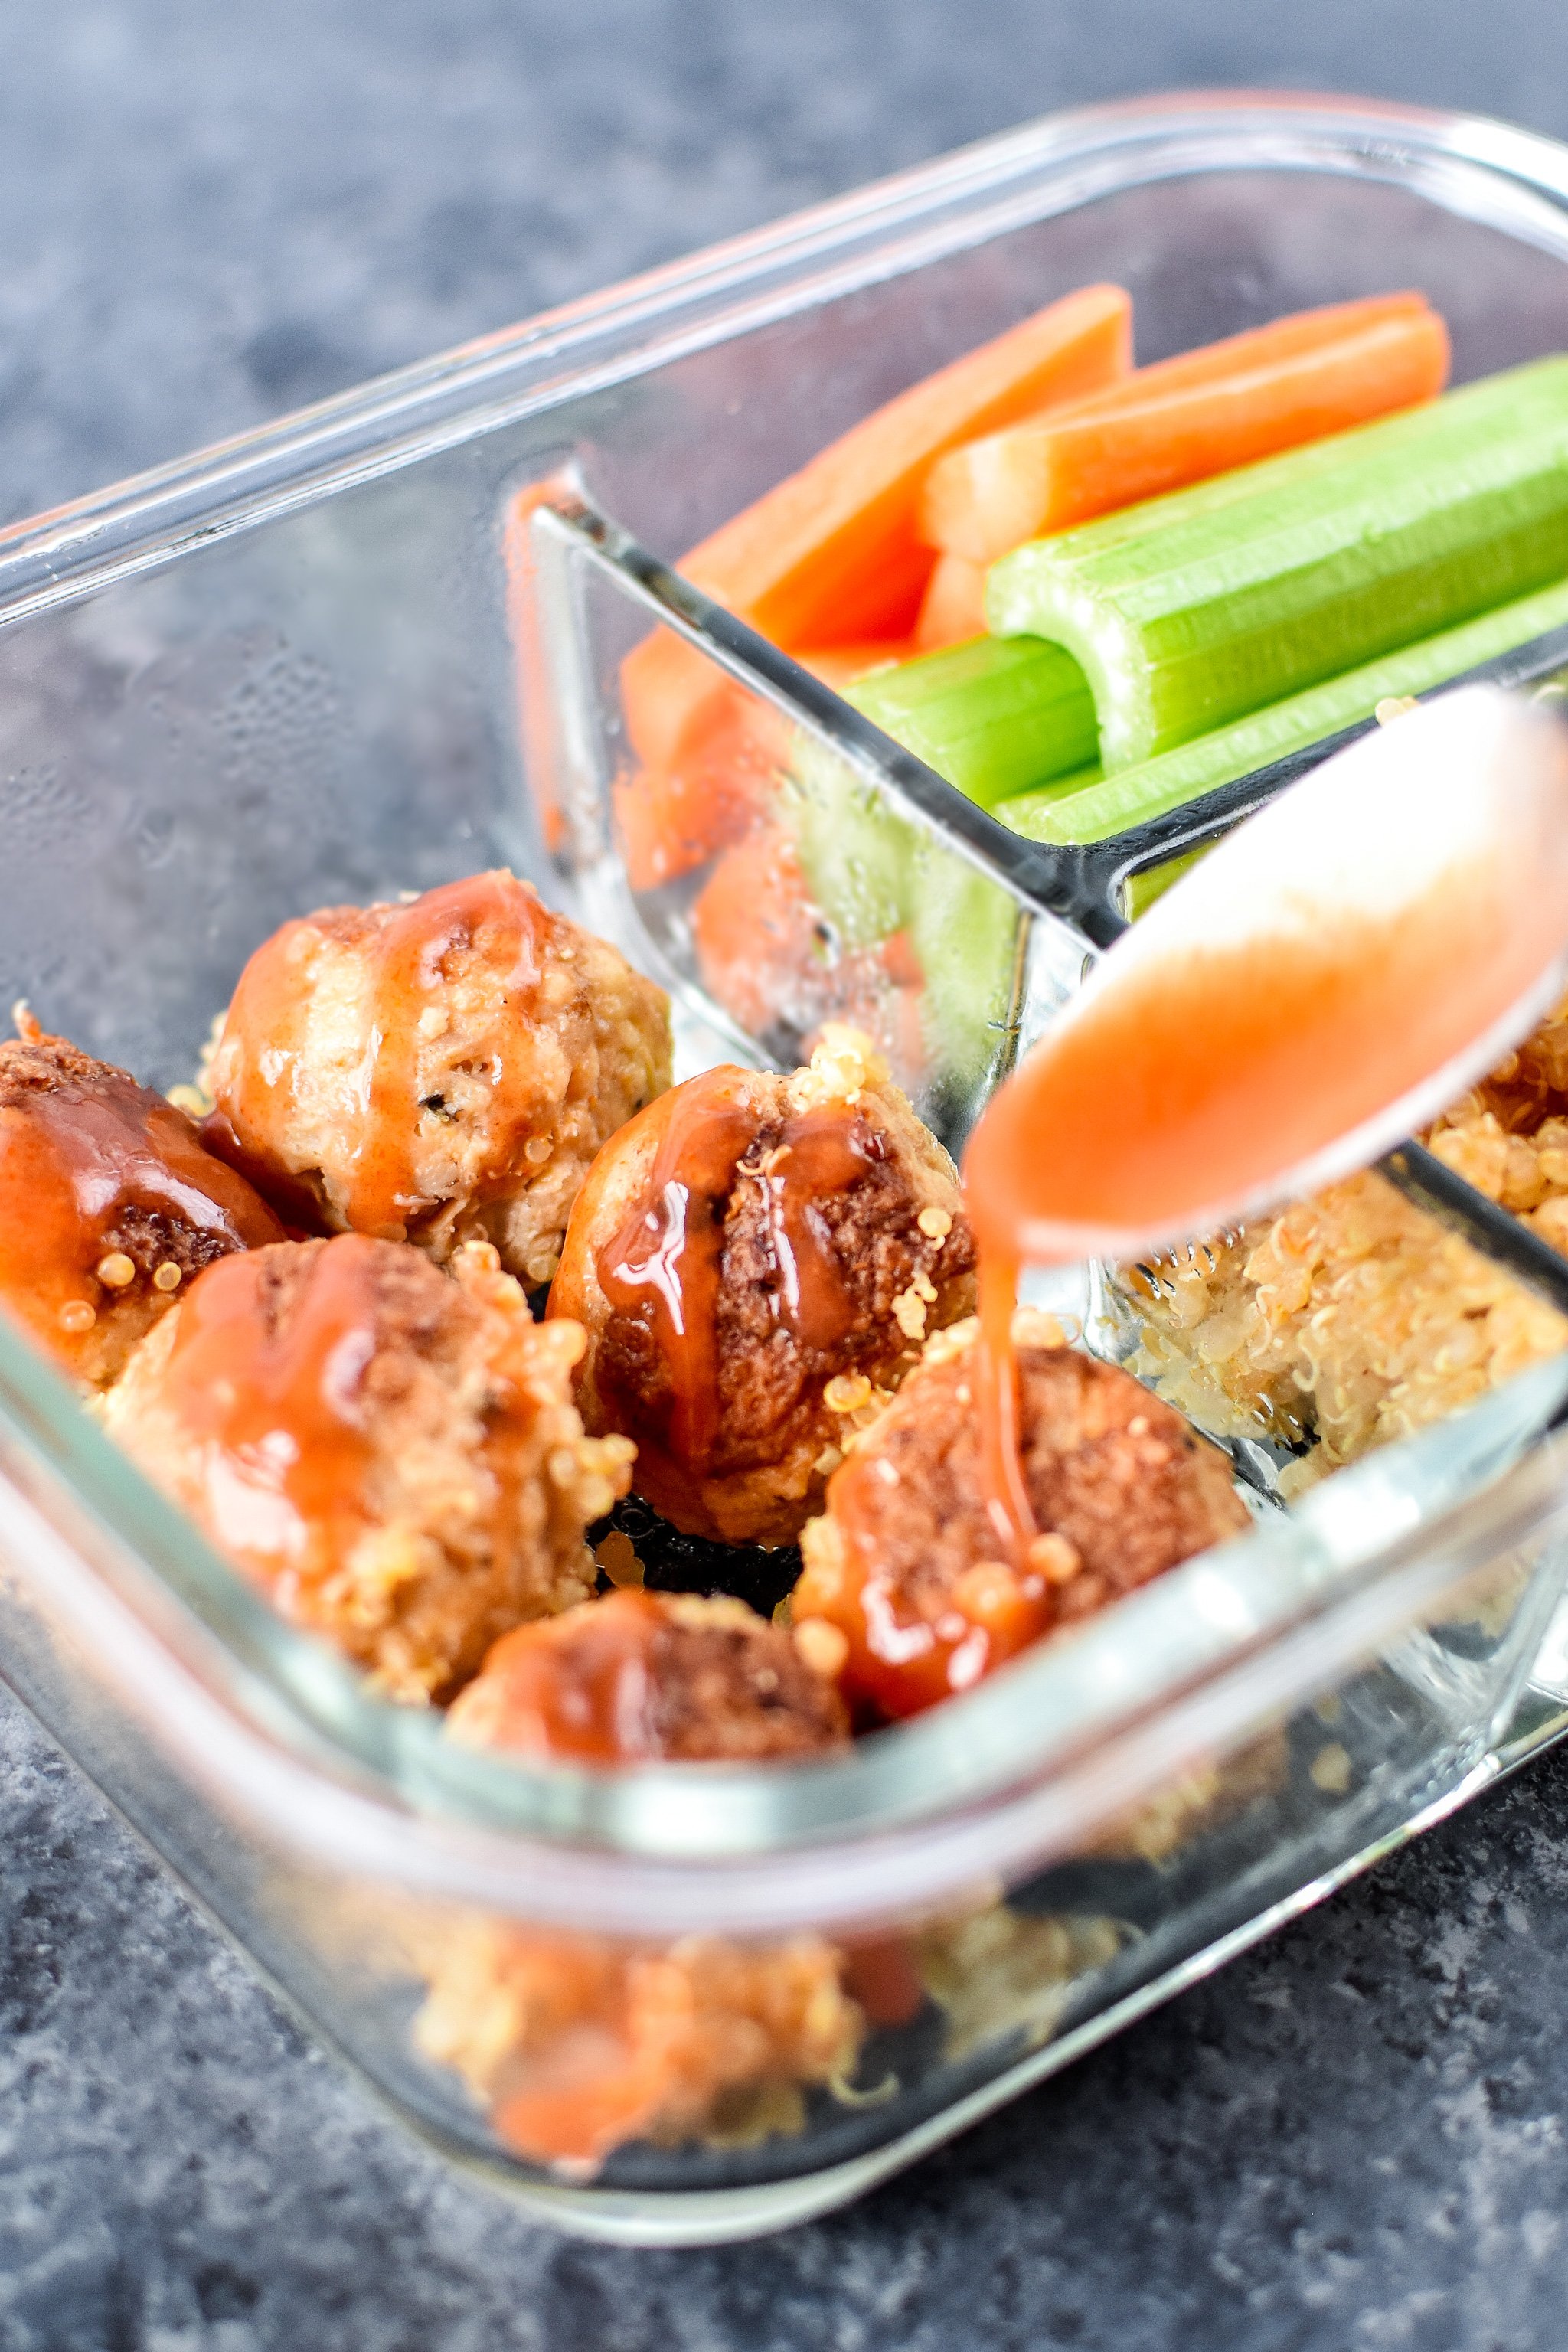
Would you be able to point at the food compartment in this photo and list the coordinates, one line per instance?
(778, 876)
(1358, 1316)
(766, 2042)
(698, 2076)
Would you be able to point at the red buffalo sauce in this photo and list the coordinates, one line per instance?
(279, 1411)
(89, 1162)
(491, 917)
(663, 1267)
(1187, 1089)
(586, 1692)
(902, 1659)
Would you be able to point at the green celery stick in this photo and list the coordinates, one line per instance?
(963, 928)
(996, 717)
(873, 873)
(1098, 811)
(1194, 610)
(855, 851)
(1140, 890)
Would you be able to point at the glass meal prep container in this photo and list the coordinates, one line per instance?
(378, 646)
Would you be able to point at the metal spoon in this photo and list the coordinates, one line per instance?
(1413, 891)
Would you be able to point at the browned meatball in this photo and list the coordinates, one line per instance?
(755, 1259)
(902, 1587)
(576, 2043)
(393, 1454)
(437, 1072)
(108, 1203)
(640, 1675)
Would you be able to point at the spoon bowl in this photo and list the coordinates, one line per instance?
(1330, 978)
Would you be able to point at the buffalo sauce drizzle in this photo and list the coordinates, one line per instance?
(279, 1412)
(582, 1688)
(74, 1157)
(903, 1659)
(665, 1266)
(907, 1650)
(1196, 1082)
(492, 915)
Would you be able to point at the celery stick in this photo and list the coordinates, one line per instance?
(1195, 609)
(996, 717)
(854, 850)
(963, 927)
(1140, 890)
(1097, 811)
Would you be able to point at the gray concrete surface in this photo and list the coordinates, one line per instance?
(1357, 2137)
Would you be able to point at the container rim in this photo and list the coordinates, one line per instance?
(282, 1729)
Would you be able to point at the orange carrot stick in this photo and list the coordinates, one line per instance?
(954, 606)
(831, 553)
(1184, 419)
(670, 694)
(830, 558)
(672, 819)
(757, 932)
(711, 753)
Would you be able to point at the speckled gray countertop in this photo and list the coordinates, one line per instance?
(1355, 2138)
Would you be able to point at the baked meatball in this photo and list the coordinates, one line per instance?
(639, 1676)
(755, 1258)
(111, 1204)
(438, 1072)
(903, 1594)
(393, 1454)
(576, 2043)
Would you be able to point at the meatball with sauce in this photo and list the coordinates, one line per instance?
(438, 1072)
(642, 1675)
(575, 2044)
(392, 1453)
(578, 2043)
(756, 1260)
(111, 1204)
(904, 1594)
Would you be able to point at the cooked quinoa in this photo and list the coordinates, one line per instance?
(1354, 1317)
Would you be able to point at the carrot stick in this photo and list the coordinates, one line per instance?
(831, 553)
(954, 606)
(672, 819)
(670, 695)
(751, 927)
(829, 558)
(1184, 419)
(711, 753)
(756, 930)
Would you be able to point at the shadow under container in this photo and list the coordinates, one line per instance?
(353, 655)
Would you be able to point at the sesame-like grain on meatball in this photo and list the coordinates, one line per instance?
(393, 1454)
(757, 1259)
(639, 1676)
(111, 1204)
(438, 1072)
(902, 1577)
